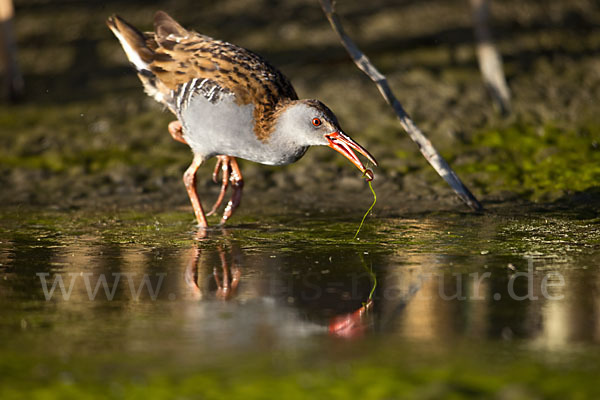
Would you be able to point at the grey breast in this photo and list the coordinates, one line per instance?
(214, 124)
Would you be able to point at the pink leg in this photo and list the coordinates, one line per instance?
(231, 173)
(189, 179)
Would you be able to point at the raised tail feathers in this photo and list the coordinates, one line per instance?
(134, 42)
(140, 50)
(164, 26)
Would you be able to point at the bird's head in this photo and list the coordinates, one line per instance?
(312, 123)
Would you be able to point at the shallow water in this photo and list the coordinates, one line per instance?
(138, 285)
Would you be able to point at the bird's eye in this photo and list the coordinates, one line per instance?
(316, 122)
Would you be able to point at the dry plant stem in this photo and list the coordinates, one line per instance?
(429, 152)
(13, 85)
(490, 62)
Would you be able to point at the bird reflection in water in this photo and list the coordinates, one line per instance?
(227, 276)
(227, 280)
(355, 323)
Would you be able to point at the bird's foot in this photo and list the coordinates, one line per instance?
(223, 166)
(230, 172)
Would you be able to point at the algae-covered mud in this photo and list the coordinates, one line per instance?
(108, 290)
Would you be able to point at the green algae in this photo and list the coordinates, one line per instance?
(368, 211)
(453, 233)
(536, 162)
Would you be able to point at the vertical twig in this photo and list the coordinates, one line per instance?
(8, 52)
(490, 62)
(429, 152)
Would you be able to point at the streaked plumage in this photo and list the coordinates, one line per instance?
(229, 101)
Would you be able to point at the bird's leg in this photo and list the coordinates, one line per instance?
(223, 165)
(176, 131)
(189, 179)
(230, 171)
(237, 184)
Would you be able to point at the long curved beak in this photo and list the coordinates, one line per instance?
(343, 144)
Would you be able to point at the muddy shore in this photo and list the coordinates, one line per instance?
(86, 135)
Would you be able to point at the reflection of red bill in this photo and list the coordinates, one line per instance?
(344, 145)
(350, 325)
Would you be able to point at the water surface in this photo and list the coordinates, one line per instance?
(150, 293)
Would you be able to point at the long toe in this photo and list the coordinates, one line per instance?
(237, 185)
(223, 166)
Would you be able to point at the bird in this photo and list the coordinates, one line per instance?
(229, 103)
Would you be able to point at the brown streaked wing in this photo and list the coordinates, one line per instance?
(182, 55)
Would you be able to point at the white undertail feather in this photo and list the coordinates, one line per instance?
(142, 67)
(153, 92)
(132, 55)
